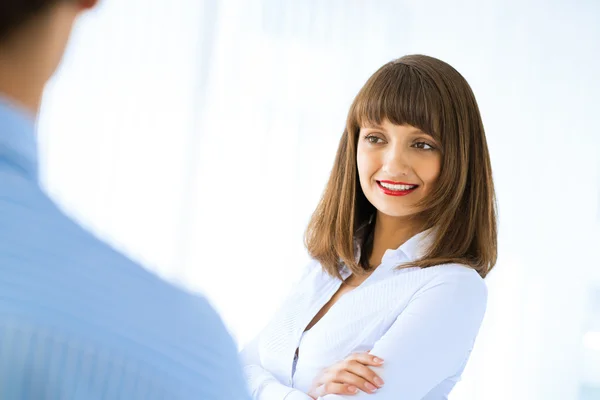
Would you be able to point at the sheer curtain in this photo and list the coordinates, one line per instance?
(197, 136)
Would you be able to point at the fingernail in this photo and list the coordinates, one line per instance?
(352, 389)
(378, 360)
(378, 381)
(370, 387)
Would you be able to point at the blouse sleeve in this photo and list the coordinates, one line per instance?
(261, 383)
(430, 340)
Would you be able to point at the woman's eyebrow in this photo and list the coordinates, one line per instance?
(369, 125)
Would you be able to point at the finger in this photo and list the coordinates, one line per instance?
(344, 376)
(364, 372)
(366, 359)
(336, 388)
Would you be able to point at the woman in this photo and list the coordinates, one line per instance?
(401, 240)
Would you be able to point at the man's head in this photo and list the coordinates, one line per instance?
(33, 38)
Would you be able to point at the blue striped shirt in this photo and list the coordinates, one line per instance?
(78, 320)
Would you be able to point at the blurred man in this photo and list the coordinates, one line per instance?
(77, 319)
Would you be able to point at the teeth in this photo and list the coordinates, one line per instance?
(397, 187)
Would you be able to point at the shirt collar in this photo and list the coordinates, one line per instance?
(413, 249)
(18, 145)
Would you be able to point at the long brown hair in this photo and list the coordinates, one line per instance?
(429, 94)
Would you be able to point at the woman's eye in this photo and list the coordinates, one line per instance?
(373, 139)
(423, 146)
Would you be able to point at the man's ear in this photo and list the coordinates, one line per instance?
(87, 4)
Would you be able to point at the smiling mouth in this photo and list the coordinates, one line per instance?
(396, 188)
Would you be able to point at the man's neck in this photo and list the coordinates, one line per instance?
(22, 93)
(23, 74)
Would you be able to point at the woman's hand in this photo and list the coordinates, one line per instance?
(348, 377)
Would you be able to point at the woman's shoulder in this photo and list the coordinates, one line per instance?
(310, 274)
(455, 277)
(311, 267)
(456, 269)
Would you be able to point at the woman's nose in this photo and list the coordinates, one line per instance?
(396, 164)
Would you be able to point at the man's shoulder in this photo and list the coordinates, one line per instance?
(63, 282)
(38, 240)
(35, 229)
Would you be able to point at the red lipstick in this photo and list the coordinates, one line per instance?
(396, 192)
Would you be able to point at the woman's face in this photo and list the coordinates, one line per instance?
(398, 166)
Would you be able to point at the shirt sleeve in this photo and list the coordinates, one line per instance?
(430, 340)
(261, 383)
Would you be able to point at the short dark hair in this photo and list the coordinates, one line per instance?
(16, 13)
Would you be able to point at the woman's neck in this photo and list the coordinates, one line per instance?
(391, 233)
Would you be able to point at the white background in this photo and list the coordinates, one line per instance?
(197, 136)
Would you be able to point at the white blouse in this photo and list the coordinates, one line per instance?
(422, 322)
